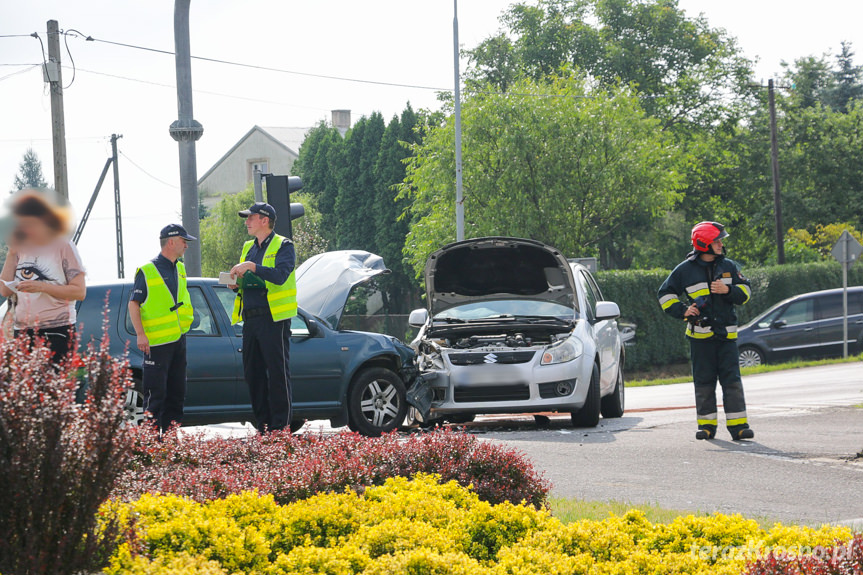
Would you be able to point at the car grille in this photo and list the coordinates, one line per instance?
(492, 393)
(556, 388)
(489, 357)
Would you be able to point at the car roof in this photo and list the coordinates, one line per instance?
(130, 280)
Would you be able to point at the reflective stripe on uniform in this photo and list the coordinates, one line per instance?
(735, 415)
(733, 422)
(699, 332)
(669, 300)
(746, 290)
(698, 290)
(713, 421)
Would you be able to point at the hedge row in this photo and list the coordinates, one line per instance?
(296, 467)
(660, 340)
(425, 527)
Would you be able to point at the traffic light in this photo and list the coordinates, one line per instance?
(279, 190)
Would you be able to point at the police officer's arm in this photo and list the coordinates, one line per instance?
(139, 295)
(669, 297)
(741, 290)
(283, 266)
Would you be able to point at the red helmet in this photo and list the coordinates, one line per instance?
(705, 233)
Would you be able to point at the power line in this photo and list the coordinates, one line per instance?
(25, 70)
(131, 161)
(266, 68)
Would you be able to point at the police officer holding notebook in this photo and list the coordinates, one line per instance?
(266, 301)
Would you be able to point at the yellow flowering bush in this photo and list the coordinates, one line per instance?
(422, 526)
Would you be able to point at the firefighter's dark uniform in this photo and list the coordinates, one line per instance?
(713, 339)
(266, 315)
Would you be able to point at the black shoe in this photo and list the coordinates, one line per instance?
(704, 434)
(745, 433)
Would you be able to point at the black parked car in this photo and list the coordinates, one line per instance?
(352, 378)
(808, 325)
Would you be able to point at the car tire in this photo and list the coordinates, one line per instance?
(377, 402)
(612, 405)
(133, 404)
(750, 356)
(588, 415)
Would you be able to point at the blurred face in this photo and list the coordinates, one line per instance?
(716, 246)
(177, 246)
(31, 230)
(256, 224)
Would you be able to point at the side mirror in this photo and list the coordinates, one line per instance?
(779, 324)
(418, 317)
(314, 328)
(607, 310)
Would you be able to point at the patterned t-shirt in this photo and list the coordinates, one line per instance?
(58, 264)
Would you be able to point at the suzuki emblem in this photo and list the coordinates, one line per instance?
(490, 358)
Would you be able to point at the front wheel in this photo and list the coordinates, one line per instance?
(750, 357)
(133, 405)
(588, 415)
(612, 405)
(376, 402)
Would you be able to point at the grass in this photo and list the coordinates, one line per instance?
(570, 510)
(767, 368)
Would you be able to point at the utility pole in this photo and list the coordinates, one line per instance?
(186, 131)
(459, 196)
(774, 161)
(54, 77)
(118, 220)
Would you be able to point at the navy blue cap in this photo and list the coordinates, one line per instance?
(175, 231)
(260, 208)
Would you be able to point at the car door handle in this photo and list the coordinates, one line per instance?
(240, 349)
(809, 329)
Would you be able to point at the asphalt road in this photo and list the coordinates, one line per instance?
(803, 464)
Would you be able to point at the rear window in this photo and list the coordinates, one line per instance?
(830, 306)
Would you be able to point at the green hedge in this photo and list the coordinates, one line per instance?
(659, 339)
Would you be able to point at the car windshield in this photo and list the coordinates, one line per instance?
(514, 308)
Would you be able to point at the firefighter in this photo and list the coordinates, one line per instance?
(711, 285)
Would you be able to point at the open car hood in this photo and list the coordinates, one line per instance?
(495, 268)
(325, 281)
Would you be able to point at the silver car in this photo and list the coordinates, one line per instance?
(513, 327)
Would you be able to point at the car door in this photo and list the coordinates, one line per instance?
(317, 367)
(830, 314)
(794, 332)
(211, 366)
(605, 332)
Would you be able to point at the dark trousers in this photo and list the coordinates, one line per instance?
(58, 339)
(266, 351)
(164, 383)
(711, 359)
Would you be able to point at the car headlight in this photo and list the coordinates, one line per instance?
(567, 350)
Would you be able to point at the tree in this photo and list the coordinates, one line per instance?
(685, 71)
(30, 173)
(223, 233)
(559, 161)
(847, 79)
(317, 166)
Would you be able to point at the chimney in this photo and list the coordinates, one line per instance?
(342, 121)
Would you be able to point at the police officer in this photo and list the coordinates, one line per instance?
(711, 285)
(266, 311)
(161, 312)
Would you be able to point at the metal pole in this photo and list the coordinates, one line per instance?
(774, 161)
(259, 188)
(54, 75)
(186, 131)
(845, 265)
(459, 198)
(118, 219)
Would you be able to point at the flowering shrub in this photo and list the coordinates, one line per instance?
(296, 467)
(58, 458)
(424, 526)
(845, 559)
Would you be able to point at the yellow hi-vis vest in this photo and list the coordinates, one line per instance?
(281, 298)
(161, 324)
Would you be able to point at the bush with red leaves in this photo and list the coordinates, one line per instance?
(58, 458)
(295, 467)
(841, 559)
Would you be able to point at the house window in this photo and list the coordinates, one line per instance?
(262, 165)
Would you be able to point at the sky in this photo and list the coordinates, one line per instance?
(132, 92)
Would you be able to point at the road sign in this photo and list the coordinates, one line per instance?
(847, 250)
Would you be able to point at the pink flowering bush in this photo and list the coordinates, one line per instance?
(840, 559)
(292, 468)
(59, 458)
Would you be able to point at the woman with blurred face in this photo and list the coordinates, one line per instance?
(43, 272)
